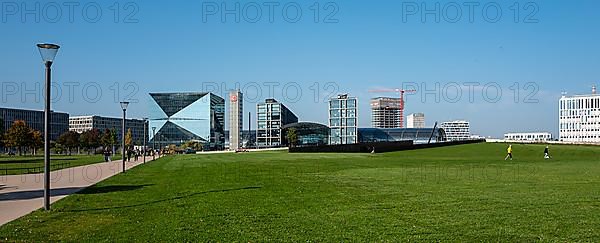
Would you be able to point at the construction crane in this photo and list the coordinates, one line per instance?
(401, 105)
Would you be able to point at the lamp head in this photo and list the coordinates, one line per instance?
(124, 105)
(48, 51)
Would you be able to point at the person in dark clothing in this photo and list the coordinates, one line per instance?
(128, 155)
(546, 153)
(106, 155)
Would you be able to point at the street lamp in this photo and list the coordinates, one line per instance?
(153, 142)
(48, 53)
(124, 105)
(145, 138)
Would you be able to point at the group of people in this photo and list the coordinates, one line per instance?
(510, 156)
(135, 153)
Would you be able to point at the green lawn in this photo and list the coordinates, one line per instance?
(16, 165)
(461, 193)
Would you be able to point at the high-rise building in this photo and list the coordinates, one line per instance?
(385, 112)
(191, 116)
(59, 122)
(579, 118)
(457, 130)
(271, 117)
(236, 119)
(415, 120)
(85, 123)
(343, 119)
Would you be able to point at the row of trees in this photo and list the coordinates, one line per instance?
(22, 137)
(91, 140)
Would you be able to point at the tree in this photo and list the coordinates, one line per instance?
(128, 138)
(84, 140)
(113, 138)
(36, 140)
(105, 138)
(292, 137)
(90, 140)
(1, 132)
(18, 136)
(94, 139)
(70, 140)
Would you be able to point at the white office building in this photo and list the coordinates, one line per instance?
(528, 136)
(579, 118)
(81, 124)
(343, 120)
(415, 120)
(457, 130)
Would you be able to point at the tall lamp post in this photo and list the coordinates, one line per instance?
(48, 53)
(153, 142)
(124, 105)
(145, 138)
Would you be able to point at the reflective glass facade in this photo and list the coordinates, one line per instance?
(309, 133)
(271, 117)
(417, 135)
(181, 117)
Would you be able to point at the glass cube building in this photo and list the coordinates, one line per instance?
(181, 117)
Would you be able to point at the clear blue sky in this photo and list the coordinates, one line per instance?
(175, 46)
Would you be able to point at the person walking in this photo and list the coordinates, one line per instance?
(509, 152)
(105, 155)
(136, 154)
(546, 153)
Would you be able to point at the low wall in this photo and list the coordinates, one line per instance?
(380, 147)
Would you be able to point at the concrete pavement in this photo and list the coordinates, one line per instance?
(23, 194)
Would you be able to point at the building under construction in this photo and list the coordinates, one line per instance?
(386, 113)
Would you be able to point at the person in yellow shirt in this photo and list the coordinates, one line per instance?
(509, 150)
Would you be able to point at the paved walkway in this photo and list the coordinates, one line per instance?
(23, 194)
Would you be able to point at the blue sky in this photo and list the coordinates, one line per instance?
(181, 46)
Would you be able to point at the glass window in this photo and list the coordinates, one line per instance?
(351, 113)
(334, 113)
(350, 122)
(334, 104)
(351, 103)
(334, 122)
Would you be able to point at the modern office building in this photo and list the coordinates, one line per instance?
(415, 120)
(457, 130)
(271, 117)
(343, 119)
(59, 122)
(385, 113)
(528, 136)
(236, 119)
(579, 118)
(417, 135)
(190, 116)
(308, 134)
(81, 124)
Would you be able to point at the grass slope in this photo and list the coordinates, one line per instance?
(461, 193)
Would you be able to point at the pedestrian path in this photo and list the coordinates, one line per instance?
(23, 194)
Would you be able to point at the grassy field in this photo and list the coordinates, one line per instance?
(461, 193)
(16, 165)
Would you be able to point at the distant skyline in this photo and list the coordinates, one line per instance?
(542, 50)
